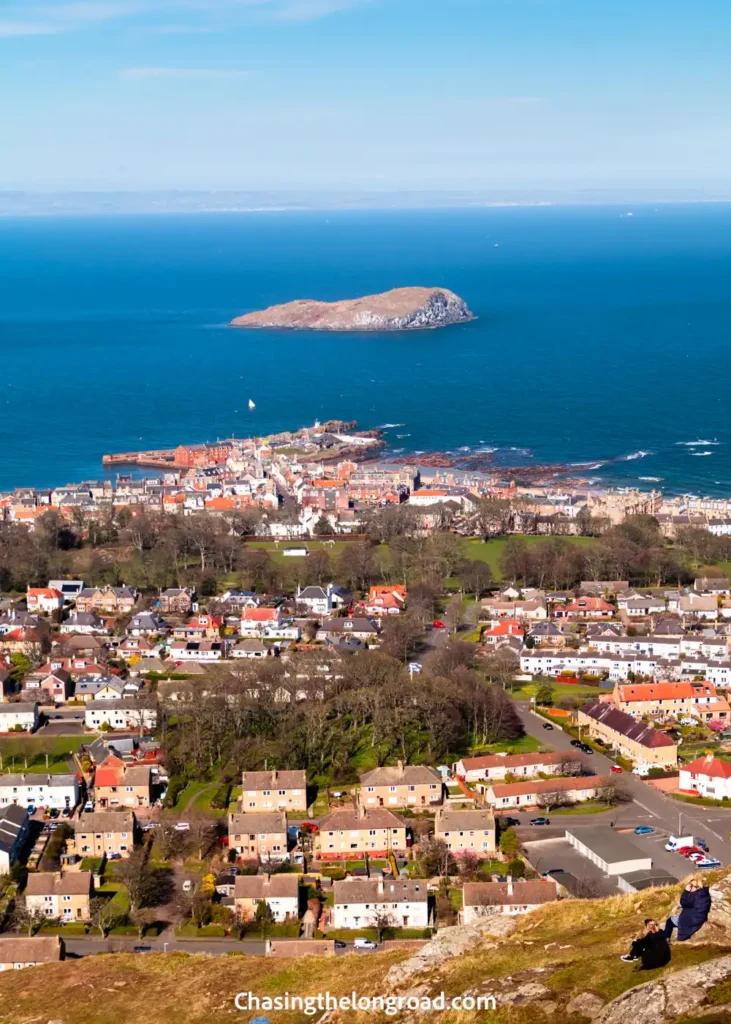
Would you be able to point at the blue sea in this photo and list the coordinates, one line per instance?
(599, 336)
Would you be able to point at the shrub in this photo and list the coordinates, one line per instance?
(516, 867)
(221, 797)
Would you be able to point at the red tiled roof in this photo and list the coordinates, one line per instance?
(711, 766)
(259, 614)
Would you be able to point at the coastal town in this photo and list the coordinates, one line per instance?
(299, 701)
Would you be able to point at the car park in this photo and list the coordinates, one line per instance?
(547, 725)
(644, 830)
(540, 821)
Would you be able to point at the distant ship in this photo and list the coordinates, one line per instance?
(252, 404)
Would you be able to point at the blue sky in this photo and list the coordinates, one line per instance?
(363, 94)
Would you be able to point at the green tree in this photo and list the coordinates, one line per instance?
(509, 843)
(264, 918)
(544, 695)
(323, 527)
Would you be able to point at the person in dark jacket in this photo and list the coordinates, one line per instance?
(651, 948)
(695, 905)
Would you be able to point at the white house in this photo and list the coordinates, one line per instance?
(86, 623)
(250, 649)
(198, 650)
(69, 588)
(126, 713)
(255, 621)
(280, 892)
(521, 766)
(39, 790)
(14, 715)
(44, 599)
(482, 899)
(707, 776)
(320, 601)
(371, 902)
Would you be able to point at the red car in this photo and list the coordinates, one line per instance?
(438, 624)
(616, 769)
(687, 851)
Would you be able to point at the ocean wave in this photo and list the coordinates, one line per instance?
(464, 448)
(397, 451)
(390, 426)
(401, 436)
(635, 455)
(696, 444)
(651, 479)
(697, 455)
(587, 465)
(485, 451)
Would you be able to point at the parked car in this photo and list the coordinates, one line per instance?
(438, 624)
(182, 826)
(54, 812)
(89, 805)
(364, 944)
(509, 822)
(187, 885)
(644, 830)
(339, 944)
(697, 856)
(547, 725)
(708, 862)
(586, 748)
(540, 821)
(142, 949)
(576, 743)
(65, 813)
(691, 852)
(616, 769)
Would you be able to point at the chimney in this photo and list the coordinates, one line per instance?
(361, 810)
(400, 766)
(379, 887)
(510, 885)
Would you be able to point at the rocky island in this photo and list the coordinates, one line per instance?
(400, 309)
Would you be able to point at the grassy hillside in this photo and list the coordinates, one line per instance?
(576, 944)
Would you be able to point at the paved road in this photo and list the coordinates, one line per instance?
(89, 945)
(651, 807)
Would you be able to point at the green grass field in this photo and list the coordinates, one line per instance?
(491, 551)
(14, 750)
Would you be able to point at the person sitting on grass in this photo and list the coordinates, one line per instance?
(651, 948)
(692, 912)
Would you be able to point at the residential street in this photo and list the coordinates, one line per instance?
(649, 807)
(91, 944)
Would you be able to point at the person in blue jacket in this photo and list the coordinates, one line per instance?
(695, 904)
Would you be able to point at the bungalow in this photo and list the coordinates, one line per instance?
(255, 621)
(707, 776)
(44, 600)
(502, 631)
(240, 598)
(146, 624)
(251, 649)
(489, 767)
(585, 608)
(480, 899)
(38, 790)
(13, 716)
(64, 896)
(403, 785)
(259, 836)
(636, 607)
(375, 902)
(336, 629)
(198, 650)
(597, 588)
(352, 833)
(280, 893)
(716, 586)
(84, 623)
(547, 634)
(18, 952)
(540, 792)
(466, 831)
(698, 608)
(533, 611)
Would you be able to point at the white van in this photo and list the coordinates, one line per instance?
(364, 944)
(678, 842)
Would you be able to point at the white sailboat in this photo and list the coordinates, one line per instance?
(251, 404)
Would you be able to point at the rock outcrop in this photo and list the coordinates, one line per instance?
(447, 944)
(401, 309)
(674, 996)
